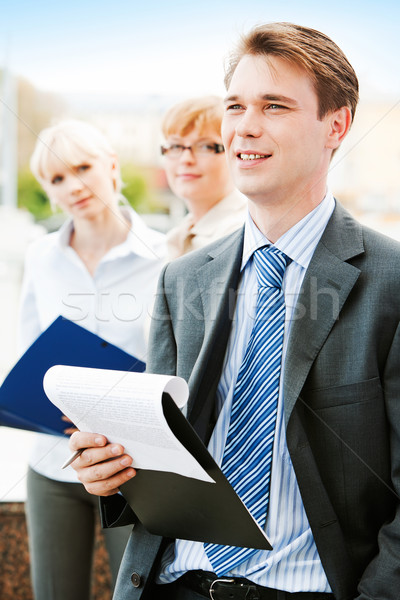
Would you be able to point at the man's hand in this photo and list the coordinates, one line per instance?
(102, 467)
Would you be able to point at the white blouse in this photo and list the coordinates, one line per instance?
(114, 303)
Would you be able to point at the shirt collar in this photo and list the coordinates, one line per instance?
(141, 240)
(299, 242)
(64, 233)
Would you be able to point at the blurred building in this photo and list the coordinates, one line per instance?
(365, 172)
(8, 139)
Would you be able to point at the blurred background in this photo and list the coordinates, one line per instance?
(120, 65)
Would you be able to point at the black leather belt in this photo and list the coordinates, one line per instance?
(237, 588)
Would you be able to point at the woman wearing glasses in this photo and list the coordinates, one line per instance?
(99, 270)
(197, 173)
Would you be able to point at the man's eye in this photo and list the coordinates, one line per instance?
(56, 179)
(175, 147)
(275, 107)
(234, 107)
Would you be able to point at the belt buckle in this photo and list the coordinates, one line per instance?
(219, 580)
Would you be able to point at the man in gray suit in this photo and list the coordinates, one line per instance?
(333, 511)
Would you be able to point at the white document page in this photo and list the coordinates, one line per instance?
(125, 407)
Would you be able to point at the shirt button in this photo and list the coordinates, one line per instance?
(136, 580)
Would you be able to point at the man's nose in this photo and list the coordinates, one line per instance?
(249, 124)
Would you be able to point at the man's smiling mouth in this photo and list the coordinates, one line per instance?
(244, 156)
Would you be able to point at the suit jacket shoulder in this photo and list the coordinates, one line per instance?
(196, 259)
(195, 300)
(347, 237)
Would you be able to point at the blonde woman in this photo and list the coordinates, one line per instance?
(100, 271)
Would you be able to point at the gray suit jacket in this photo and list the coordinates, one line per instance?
(341, 393)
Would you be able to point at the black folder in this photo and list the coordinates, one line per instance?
(175, 506)
(23, 403)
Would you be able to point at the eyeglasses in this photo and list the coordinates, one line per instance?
(202, 148)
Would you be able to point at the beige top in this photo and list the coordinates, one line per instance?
(225, 217)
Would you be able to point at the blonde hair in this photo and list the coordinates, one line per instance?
(334, 79)
(201, 113)
(72, 142)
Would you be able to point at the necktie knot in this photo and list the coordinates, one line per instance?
(270, 264)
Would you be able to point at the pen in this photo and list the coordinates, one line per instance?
(72, 458)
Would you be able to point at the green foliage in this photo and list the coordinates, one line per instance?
(31, 196)
(138, 189)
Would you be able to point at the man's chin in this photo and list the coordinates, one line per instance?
(255, 193)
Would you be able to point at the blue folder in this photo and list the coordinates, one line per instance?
(23, 403)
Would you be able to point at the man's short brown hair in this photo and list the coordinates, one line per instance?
(334, 79)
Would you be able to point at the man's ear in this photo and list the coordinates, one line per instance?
(339, 122)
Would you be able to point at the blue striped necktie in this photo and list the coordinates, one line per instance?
(247, 456)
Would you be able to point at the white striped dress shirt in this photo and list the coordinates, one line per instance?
(293, 564)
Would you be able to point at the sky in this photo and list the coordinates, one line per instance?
(178, 47)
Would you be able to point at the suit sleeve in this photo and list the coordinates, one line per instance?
(381, 578)
(114, 510)
(161, 355)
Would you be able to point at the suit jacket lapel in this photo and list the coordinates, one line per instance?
(218, 281)
(326, 286)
